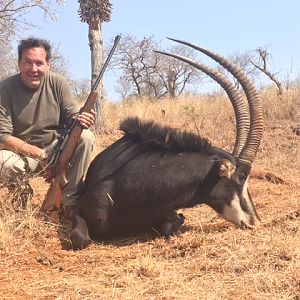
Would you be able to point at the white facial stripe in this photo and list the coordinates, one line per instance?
(234, 213)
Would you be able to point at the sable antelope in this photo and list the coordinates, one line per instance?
(144, 177)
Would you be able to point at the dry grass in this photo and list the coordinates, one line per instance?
(210, 259)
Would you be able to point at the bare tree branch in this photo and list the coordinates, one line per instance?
(146, 73)
(263, 59)
(13, 20)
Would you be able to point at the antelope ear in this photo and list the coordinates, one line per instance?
(226, 169)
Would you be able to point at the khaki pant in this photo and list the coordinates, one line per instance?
(13, 166)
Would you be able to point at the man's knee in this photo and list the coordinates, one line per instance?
(11, 164)
(87, 139)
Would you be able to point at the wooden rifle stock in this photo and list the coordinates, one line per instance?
(53, 197)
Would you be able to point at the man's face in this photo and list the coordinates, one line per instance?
(33, 67)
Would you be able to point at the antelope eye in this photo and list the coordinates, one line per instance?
(242, 177)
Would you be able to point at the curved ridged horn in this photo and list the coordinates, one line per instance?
(250, 149)
(239, 106)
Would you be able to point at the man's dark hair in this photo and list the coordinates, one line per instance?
(34, 43)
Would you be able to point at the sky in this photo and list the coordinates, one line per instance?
(226, 27)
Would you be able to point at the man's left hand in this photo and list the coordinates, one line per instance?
(86, 119)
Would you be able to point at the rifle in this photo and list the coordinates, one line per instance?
(61, 150)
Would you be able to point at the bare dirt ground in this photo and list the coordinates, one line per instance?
(208, 259)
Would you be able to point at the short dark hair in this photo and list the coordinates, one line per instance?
(34, 43)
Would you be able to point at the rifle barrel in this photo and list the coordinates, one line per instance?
(116, 41)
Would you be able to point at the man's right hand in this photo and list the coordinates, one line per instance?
(47, 161)
(47, 169)
(19, 146)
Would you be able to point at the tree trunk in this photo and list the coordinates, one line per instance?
(96, 47)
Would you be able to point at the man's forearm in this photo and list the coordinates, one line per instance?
(19, 146)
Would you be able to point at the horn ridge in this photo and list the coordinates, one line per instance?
(250, 149)
(239, 106)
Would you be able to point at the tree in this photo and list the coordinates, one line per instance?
(7, 29)
(8, 63)
(81, 88)
(243, 61)
(146, 73)
(261, 65)
(94, 12)
(176, 75)
(138, 63)
(59, 63)
(13, 14)
(12, 20)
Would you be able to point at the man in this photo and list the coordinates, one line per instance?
(34, 106)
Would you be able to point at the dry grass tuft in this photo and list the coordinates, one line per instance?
(209, 259)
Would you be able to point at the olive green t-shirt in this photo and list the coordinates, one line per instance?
(35, 116)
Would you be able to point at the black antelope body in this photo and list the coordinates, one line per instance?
(143, 178)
